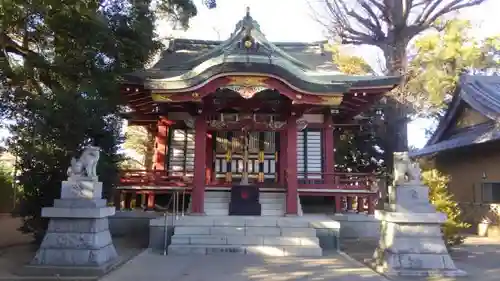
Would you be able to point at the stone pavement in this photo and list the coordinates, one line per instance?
(155, 267)
(478, 256)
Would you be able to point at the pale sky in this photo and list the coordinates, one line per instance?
(293, 20)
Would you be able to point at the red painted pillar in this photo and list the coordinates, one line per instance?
(209, 159)
(160, 148)
(328, 150)
(338, 204)
(371, 205)
(200, 143)
(360, 204)
(151, 201)
(282, 159)
(291, 166)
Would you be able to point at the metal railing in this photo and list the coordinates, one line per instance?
(174, 201)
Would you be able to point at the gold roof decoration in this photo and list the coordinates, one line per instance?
(161, 97)
(332, 100)
(247, 81)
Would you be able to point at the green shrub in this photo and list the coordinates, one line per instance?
(444, 203)
(6, 191)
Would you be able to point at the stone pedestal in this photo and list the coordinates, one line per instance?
(77, 241)
(411, 243)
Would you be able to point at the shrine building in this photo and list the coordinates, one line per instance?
(248, 112)
(464, 147)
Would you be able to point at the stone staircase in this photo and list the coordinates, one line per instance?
(216, 203)
(268, 236)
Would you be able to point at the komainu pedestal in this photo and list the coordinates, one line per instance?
(411, 242)
(77, 241)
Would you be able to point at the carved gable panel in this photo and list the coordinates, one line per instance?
(469, 117)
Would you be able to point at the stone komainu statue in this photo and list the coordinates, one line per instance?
(405, 171)
(86, 165)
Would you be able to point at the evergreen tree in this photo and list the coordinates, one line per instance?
(438, 60)
(444, 203)
(60, 66)
(140, 142)
(357, 147)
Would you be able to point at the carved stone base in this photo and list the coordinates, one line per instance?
(411, 244)
(77, 235)
(410, 198)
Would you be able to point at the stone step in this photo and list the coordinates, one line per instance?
(248, 221)
(246, 231)
(280, 251)
(244, 240)
(225, 205)
(216, 200)
(227, 200)
(217, 212)
(225, 212)
(216, 205)
(273, 206)
(216, 194)
(272, 213)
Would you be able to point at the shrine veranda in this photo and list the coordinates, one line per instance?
(247, 111)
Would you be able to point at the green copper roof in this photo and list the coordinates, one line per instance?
(308, 66)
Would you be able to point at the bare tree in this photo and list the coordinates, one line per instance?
(389, 25)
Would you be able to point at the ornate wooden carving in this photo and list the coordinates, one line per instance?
(332, 100)
(246, 86)
(247, 81)
(161, 97)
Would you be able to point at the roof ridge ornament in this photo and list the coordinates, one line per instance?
(247, 23)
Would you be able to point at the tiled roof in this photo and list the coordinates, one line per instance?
(307, 66)
(481, 93)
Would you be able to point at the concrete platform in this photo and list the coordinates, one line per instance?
(154, 267)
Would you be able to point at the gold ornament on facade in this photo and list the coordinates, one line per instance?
(196, 96)
(161, 97)
(333, 100)
(248, 44)
(246, 86)
(247, 81)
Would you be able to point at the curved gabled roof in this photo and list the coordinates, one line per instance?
(188, 63)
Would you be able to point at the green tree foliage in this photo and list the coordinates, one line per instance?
(441, 57)
(6, 188)
(357, 148)
(140, 142)
(444, 203)
(349, 64)
(60, 65)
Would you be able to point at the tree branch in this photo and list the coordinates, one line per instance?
(343, 28)
(430, 15)
(376, 25)
(10, 46)
(407, 9)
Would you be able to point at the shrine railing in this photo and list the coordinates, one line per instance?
(310, 180)
(152, 178)
(337, 180)
(352, 191)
